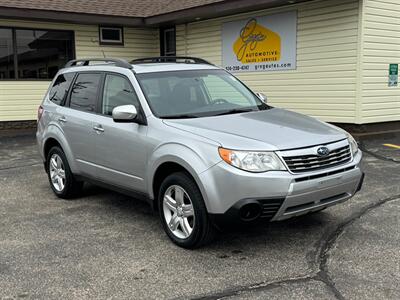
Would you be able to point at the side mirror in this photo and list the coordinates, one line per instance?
(124, 113)
(262, 97)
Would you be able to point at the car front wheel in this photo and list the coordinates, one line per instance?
(183, 212)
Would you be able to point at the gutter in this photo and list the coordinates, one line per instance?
(69, 17)
(214, 10)
(208, 11)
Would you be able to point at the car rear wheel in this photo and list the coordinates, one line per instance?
(183, 213)
(61, 179)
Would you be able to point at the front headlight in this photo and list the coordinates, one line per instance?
(352, 141)
(252, 161)
(353, 144)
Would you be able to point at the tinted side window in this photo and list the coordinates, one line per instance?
(84, 92)
(117, 91)
(60, 88)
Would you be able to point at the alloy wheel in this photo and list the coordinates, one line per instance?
(57, 172)
(178, 211)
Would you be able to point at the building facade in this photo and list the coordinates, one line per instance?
(334, 60)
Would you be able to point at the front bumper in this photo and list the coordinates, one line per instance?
(280, 195)
(306, 197)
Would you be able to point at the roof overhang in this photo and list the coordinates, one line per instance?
(214, 10)
(217, 9)
(68, 17)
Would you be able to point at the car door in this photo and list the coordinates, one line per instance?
(120, 147)
(77, 119)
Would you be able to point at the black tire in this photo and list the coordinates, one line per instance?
(72, 187)
(203, 230)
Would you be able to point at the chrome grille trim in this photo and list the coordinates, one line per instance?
(310, 158)
(307, 160)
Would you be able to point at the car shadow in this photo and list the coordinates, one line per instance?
(282, 232)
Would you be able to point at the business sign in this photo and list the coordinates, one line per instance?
(393, 75)
(265, 43)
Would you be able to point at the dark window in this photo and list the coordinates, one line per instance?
(42, 52)
(117, 91)
(6, 54)
(168, 42)
(34, 54)
(111, 35)
(60, 88)
(84, 92)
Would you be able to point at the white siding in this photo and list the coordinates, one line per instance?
(324, 83)
(380, 47)
(19, 99)
(344, 48)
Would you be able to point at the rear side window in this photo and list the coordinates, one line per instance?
(60, 88)
(84, 91)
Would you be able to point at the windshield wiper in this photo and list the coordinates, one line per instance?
(235, 111)
(190, 116)
(181, 116)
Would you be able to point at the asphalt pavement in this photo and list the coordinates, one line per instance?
(106, 245)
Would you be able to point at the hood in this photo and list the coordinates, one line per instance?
(272, 129)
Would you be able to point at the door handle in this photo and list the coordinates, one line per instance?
(98, 128)
(62, 119)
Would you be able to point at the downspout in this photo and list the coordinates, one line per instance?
(359, 65)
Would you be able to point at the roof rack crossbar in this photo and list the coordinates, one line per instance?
(167, 59)
(86, 62)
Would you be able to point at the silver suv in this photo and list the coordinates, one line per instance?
(193, 141)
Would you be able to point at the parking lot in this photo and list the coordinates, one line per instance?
(106, 245)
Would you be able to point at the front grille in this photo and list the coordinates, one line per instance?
(270, 207)
(319, 175)
(307, 163)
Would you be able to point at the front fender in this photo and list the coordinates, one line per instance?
(185, 156)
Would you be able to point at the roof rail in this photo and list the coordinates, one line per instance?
(167, 59)
(86, 62)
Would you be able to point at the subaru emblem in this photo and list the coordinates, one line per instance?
(323, 151)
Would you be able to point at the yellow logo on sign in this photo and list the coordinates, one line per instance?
(257, 44)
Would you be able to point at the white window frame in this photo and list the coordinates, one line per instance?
(103, 41)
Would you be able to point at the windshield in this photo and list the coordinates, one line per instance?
(197, 93)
